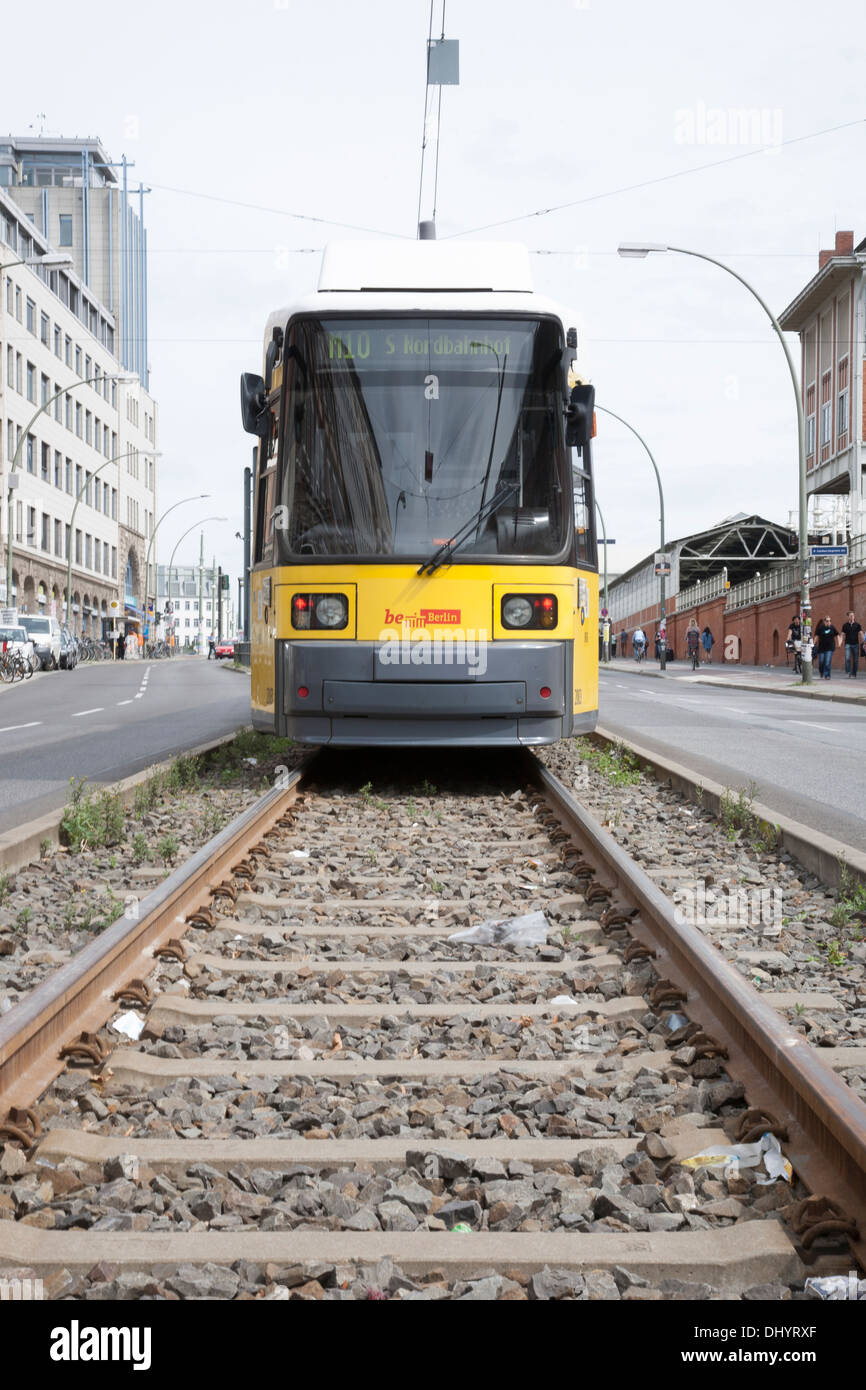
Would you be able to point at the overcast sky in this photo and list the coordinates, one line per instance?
(241, 112)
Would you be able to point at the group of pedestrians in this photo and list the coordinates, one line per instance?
(825, 640)
(698, 644)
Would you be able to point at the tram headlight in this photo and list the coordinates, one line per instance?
(312, 611)
(332, 610)
(529, 610)
(516, 611)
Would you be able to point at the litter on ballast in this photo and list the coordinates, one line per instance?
(130, 1024)
(736, 1156)
(300, 854)
(529, 930)
(836, 1287)
(564, 1001)
(675, 1021)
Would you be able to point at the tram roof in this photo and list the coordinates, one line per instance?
(359, 266)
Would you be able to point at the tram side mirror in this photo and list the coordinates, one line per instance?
(578, 416)
(253, 408)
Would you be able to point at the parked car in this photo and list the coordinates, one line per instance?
(225, 648)
(68, 650)
(18, 640)
(45, 635)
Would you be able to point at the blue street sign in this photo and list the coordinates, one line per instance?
(609, 541)
(828, 550)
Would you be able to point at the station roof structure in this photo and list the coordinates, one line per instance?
(739, 543)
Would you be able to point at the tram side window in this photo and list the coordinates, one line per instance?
(266, 499)
(584, 529)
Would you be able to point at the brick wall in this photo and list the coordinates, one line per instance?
(760, 628)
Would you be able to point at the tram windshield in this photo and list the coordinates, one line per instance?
(397, 433)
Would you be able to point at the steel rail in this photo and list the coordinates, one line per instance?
(78, 996)
(780, 1070)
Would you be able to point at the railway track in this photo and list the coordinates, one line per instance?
(332, 1097)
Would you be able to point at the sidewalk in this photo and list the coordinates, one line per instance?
(780, 680)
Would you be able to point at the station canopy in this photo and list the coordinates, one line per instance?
(741, 544)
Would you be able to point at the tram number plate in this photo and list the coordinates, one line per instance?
(578, 697)
(269, 695)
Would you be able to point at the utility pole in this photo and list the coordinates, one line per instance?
(220, 604)
(248, 494)
(213, 594)
(201, 596)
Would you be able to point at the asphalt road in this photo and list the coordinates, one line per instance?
(106, 721)
(807, 758)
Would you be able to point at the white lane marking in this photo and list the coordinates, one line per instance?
(80, 713)
(139, 695)
(807, 724)
(10, 728)
(736, 709)
(124, 702)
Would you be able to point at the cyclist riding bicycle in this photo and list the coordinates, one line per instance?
(638, 643)
(693, 643)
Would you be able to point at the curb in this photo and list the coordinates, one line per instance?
(22, 846)
(819, 853)
(725, 684)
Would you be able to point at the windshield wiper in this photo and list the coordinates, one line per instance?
(485, 511)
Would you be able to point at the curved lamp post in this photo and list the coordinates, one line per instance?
(10, 519)
(195, 524)
(642, 249)
(663, 623)
(78, 497)
(195, 498)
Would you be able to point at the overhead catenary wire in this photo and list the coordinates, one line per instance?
(276, 212)
(661, 178)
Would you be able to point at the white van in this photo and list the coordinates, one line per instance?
(45, 635)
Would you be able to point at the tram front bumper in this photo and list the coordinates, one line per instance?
(356, 693)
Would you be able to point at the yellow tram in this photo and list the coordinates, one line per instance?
(424, 563)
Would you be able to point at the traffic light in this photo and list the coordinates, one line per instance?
(224, 582)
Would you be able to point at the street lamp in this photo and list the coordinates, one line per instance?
(641, 249)
(195, 524)
(662, 623)
(52, 260)
(78, 497)
(10, 518)
(195, 498)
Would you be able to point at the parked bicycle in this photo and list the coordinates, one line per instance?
(14, 666)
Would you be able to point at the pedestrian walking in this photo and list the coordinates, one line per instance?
(211, 648)
(707, 642)
(851, 631)
(826, 639)
(121, 647)
(657, 640)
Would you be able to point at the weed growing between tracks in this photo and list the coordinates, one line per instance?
(174, 810)
(614, 761)
(739, 819)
